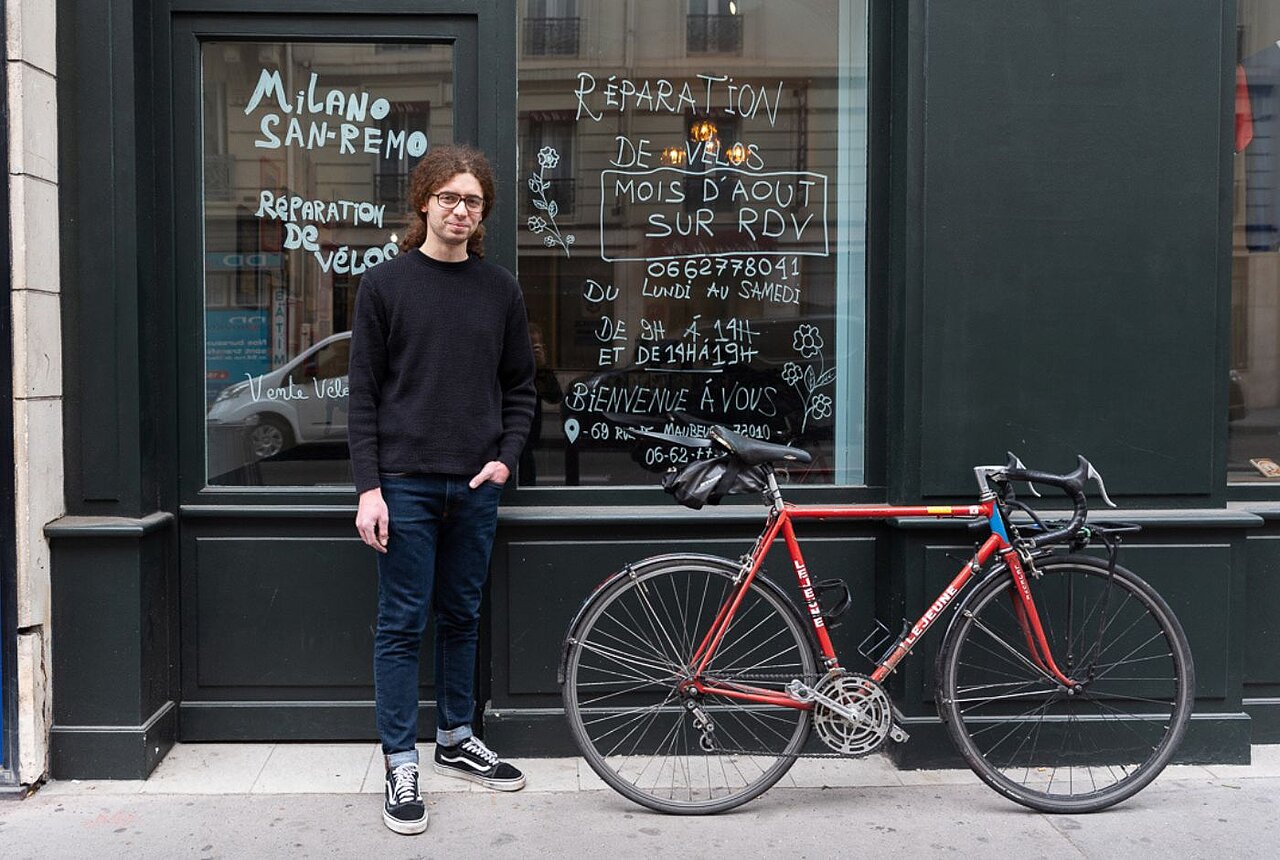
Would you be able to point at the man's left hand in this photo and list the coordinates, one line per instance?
(493, 471)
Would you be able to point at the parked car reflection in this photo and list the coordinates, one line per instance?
(301, 402)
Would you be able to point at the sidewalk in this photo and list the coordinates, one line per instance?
(269, 800)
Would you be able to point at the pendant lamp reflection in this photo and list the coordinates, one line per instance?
(702, 131)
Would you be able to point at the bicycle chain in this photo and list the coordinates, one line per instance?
(808, 679)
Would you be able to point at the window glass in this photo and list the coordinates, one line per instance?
(692, 233)
(1253, 403)
(307, 153)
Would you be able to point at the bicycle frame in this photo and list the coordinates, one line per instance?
(781, 516)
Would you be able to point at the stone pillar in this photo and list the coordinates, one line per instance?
(37, 354)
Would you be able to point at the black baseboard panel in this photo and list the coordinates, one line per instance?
(529, 732)
(1216, 738)
(289, 721)
(112, 752)
(1265, 714)
(1211, 738)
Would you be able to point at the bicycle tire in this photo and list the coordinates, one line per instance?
(630, 648)
(1027, 737)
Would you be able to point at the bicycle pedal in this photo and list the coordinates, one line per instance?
(897, 733)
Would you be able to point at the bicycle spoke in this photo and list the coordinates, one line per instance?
(624, 659)
(660, 633)
(635, 629)
(641, 723)
(777, 732)
(1023, 659)
(1125, 658)
(1003, 657)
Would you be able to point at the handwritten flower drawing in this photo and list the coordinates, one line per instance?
(548, 158)
(820, 406)
(808, 342)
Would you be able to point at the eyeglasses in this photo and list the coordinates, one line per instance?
(450, 200)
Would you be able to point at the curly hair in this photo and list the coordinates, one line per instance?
(441, 164)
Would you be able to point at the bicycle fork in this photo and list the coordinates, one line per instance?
(1024, 610)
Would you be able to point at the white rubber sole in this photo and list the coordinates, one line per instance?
(405, 828)
(495, 784)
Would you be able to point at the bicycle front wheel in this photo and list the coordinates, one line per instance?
(1039, 743)
(629, 653)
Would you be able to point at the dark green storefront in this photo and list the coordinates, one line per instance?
(1046, 269)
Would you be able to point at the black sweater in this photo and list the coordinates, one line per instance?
(441, 369)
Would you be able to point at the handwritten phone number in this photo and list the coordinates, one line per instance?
(677, 455)
(781, 268)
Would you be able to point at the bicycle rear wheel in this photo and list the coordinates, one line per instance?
(627, 655)
(1040, 744)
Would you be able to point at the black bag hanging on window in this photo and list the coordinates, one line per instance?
(706, 482)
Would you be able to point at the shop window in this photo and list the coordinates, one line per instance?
(713, 27)
(1253, 403)
(308, 147)
(712, 260)
(550, 28)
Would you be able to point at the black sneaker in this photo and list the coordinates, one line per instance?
(472, 760)
(403, 810)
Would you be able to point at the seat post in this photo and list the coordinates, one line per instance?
(772, 492)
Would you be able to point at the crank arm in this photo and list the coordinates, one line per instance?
(802, 692)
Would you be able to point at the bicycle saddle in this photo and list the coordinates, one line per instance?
(753, 452)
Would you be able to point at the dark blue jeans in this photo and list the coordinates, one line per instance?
(439, 542)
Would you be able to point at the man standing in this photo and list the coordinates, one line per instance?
(441, 400)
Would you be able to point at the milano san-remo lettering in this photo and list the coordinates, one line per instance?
(337, 118)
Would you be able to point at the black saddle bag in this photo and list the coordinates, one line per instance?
(706, 482)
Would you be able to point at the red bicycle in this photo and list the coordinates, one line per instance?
(691, 683)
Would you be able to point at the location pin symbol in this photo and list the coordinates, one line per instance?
(571, 429)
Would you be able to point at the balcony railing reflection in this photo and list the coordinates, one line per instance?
(218, 172)
(390, 187)
(551, 37)
(714, 34)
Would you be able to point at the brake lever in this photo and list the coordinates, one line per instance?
(1015, 463)
(1094, 475)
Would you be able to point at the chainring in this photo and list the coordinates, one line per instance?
(863, 696)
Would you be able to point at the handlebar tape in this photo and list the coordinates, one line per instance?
(1072, 484)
